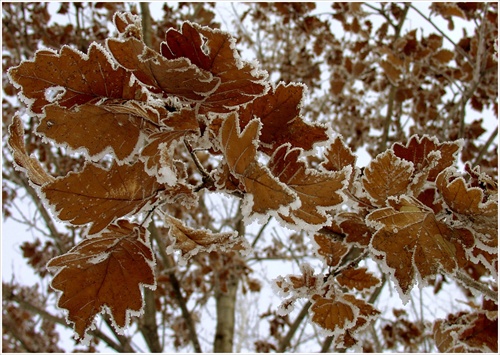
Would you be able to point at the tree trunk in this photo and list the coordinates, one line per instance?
(225, 305)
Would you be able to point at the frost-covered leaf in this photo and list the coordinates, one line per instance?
(96, 129)
(172, 77)
(467, 332)
(357, 278)
(318, 191)
(72, 78)
(105, 273)
(214, 51)
(192, 241)
(279, 112)
(387, 175)
(339, 313)
(99, 196)
(353, 225)
(338, 155)
(34, 170)
(418, 151)
(331, 250)
(264, 193)
(412, 242)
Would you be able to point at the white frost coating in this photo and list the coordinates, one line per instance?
(54, 93)
(166, 176)
(99, 258)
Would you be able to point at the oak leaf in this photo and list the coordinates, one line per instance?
(318, 191)
(106, 273)
(176, 77)
(34, 170)
(71, 78)
(191, 241)
(411, 241)
(385, 176)
(97, 129)
(265, 194)
(279, 112)
(418, 151)
(99, 196)
(214, 51)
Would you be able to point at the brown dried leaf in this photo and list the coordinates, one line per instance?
(106, 273)
(338, 155)
(74, 78)
(172, 77)
(99, 196)
(317, 191)
(279, 112)
(385, 176)
(418, 151)
(358, 278)
(411, 240)
(192, 241)
(264, 193)
(30, 165)
(443, 56)
(240, 82)
(97, 129)
(332, 251)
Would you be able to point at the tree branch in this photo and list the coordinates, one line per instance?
(285, 342)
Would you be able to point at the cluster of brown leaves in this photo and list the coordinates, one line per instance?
(138, 118)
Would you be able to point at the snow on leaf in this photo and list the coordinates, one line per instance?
(172, 77)
(264, 193)
(215, 52)
(418, 150)
(99, 196)
(279, 112)
(318, 191)
(331, 250)
(385, 176)
(467, 332)
(93, 128)
(79, 78)
(192, 241)
(35, 172)
(411, 241)
(338, 155)
(358, 278)
(106, 273)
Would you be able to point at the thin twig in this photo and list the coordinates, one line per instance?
(285, 342)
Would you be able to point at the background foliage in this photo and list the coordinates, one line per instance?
(374, 76)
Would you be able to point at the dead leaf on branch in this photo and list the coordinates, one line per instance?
(72, 78)
(411, 241)
(192, 241)
(318, 191)
(332, 251)
(96, 129)
(176, 77)
(386, 176)
(279, 112)
(34, 170)
(214, 51)
(106, 273)
(264, 194)
(99, 196)
(357, 278)
(418, 151)
(338, 155)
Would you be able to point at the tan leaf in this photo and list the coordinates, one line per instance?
(93, 128)
(72, 78)
(332, 251)
(173, 77)
(264, 193)
(240, 82)
(358, 278)
(353, 225)
(317, 191)
(106, 273)
(387, 175)
(192, 241)
(411, 241)
(443, 56)
(32, 167)
(419, 152)
(338, 156)
(99, 196)
(279, 112)
(393, 73)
